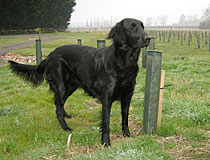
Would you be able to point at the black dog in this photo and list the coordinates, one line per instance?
(108, 74)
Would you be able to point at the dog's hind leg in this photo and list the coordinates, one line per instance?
(69, 91)
(59, 93)
(57, 86)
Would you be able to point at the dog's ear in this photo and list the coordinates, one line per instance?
(117, 33)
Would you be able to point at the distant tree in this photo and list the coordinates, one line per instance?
(149, 21)
(207, 12)
(191, 20)
(182, 19)
(162, 20)
(31, 14)
(206, 23)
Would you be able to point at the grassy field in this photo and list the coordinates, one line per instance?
(29, 128)
(11, 40)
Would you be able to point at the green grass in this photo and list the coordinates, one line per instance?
(88, 38)
(142, 147)
(29, 128)
(11, 40)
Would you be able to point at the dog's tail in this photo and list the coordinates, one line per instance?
(32, 74)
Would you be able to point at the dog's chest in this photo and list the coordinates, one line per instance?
(125, 83)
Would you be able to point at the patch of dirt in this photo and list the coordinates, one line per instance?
(183, 149)
(92, 103)
(6, 49)
(18, 58)
(187, 150)
(75, 150)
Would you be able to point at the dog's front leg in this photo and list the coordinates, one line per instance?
(125, 103)
(106, 109)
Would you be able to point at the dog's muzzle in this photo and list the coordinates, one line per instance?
(147, 40)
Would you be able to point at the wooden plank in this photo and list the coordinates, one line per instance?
(162, 80)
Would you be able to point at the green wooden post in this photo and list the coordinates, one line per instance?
(206, 40)
(189, 41)
(152, 44)
(190, 37)
(159, 36)
(198, 42)
(144, 53)
(209, 45)
(152, 91)
(163, 36)
(178, 33)
(181, 39)
(38, 52)
(169, 36)
(79, 41)
(144, 57)
(101, 43)
(174, 37)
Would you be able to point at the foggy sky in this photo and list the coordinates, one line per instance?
(140, 9)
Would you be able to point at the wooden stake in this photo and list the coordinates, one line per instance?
(162, 80)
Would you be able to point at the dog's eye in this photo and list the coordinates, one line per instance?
(132, 26)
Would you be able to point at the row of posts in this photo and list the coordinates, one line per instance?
(100, 44)
(182, 36)
(151, 60)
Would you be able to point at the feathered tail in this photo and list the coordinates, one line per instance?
(32, 74)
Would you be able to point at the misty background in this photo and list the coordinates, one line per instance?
(105, 13)
(24, 16)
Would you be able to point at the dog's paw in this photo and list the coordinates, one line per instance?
(126, 133)
(66, 115)
(105, 140)
(68, 129)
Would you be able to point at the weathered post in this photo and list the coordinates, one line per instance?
(159, 36)
(79, 41)
(209, 45)
(169, 36)
(178, 33)
(198, 42)
(181, 39)
(144, 53)
(206, 40)
(152, 91)
(162, 81)
(174, 37)
(189, 41)
(38, 52)
(163, 36)
(144, 57)
(152, 44)
(101, 43)
(190, 37)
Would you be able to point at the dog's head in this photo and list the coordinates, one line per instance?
(130, 32)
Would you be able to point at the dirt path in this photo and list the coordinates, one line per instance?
(31, 41)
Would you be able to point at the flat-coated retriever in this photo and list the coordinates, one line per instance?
(107, 74)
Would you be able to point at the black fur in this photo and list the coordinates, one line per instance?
(107, 74)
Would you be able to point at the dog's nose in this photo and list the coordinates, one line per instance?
(147, 39)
